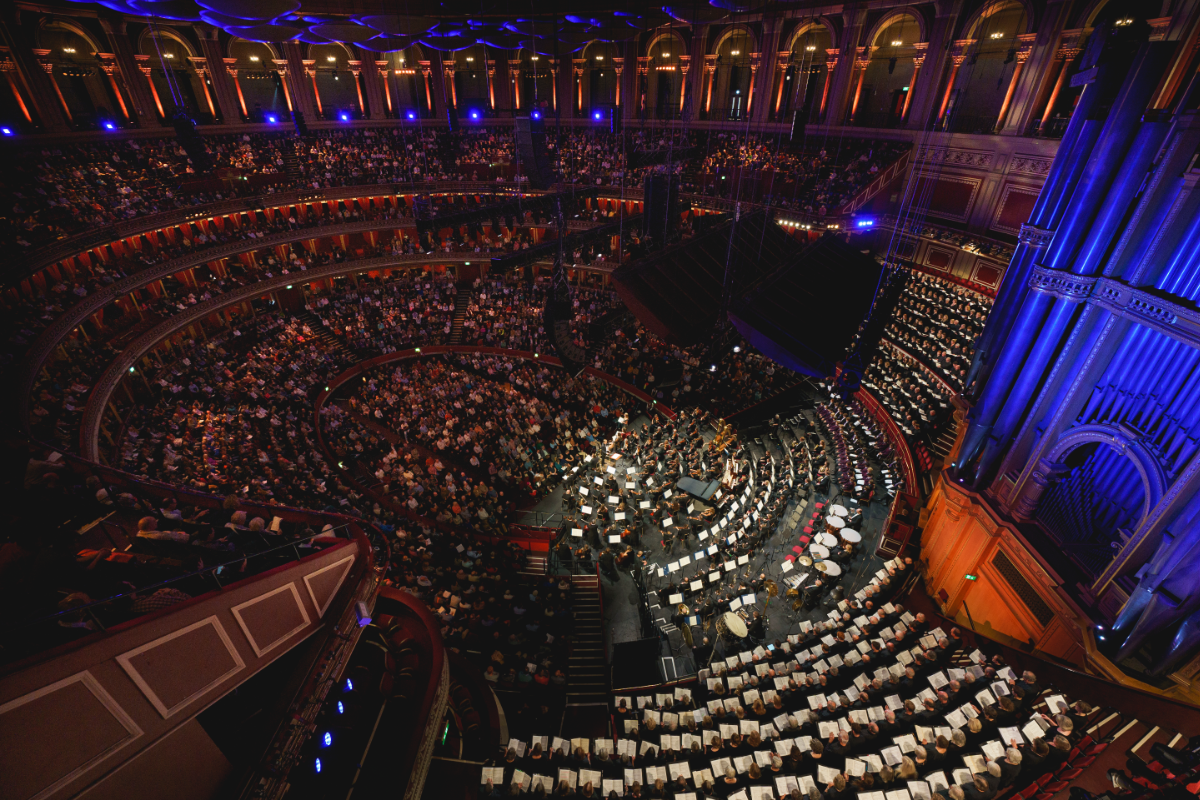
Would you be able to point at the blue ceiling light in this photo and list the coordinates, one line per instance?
(474, 115)
(341, 708)
(271, 118)
(596, 115)
(537, 115)
(866, 223)
(6, 131)
(327, 739)
(412, 115)
(318, 765)
(349, 685)
(344, 117)
(108, 126)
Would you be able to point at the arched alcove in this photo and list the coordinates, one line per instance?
(336, 83)
(803, 79)
(173, 77)
(888, 80)
(988, 64)
(88, 94)
(731, 94)
(259, 79)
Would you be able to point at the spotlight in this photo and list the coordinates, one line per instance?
(349, 685)
(712, 368)
(474, 115)
(737, 348)
(411, 115)
(6, 131)
(596, 115)
(108, 126)
(318, 765)
(344, 117)
(271, 118)
(327, 739)
(865, 223)
(537, 115)
(341, 708)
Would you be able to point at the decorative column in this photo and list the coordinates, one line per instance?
(449, 66)
(9, 68)
(710, 69)
(232, 70)
(426, 81)
(957, 58)
(356, 73)
(861, 62)
(685, 65)
(696, 57)
(122, 50)
(491, 80)
(772, 29)
(841, 83)
(643, 78)
(577, 73)
(514, 77)
(1038, 75)
(302, 103)
(619, 67)
(47, 66)
(386, 80)
(310, 70)
(936, 56)
(370, 82)
(109, 65)
(918, 62)
(144, 67)
(554, 74)
(1066, 55)
(831, 62)
(781, 65)
(200, 64)
(1022, 56)
(281, 67)
(755, 62)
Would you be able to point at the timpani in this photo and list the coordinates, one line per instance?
(834, 524)
(818, 551)
(830, 568)
(850, 536)
(826, 539)
(839, 510)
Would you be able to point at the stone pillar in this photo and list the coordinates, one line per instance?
(237, 88)
(518, 103)
(200, 64)
(957, 59)
(772, 30)
(643, 80)
(1045, 475)
(831, 62)
(840, 83)
(862, 60)
(220, 85)
(577, 65)
(47, 67)
(918, 62)
(109, 65)
(619, 67)
(685, 66)
(425, 98)
(135, 82)
(297, 79)
(1065, 56)
(1022, 56)
(376, 103)
(755, 63)
(1037, 77)
(710, 77)
(699, 62)
(925, 90)
(143, 63)
(16, 83)
(781, 64)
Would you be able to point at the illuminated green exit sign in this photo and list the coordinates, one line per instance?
(971, 577)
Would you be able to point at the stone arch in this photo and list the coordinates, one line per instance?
(162, 33)
(805, 27)
(1154, 479)
(971, 27)
(678, 46)
(238, 40)
(1092, 10)
(49, 23)
(736, 29)
(892, 18)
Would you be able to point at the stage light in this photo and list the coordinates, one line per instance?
(318, 765)
(474, 115)
(411, 115)
(866, 223)
(109, 126)
(537, 115)
(6, 131)
(327, 739)
(271, 118)
(344, 117)
(349, 685)
(596, 115)
(341, 708)
(737, 348)
(712, 368)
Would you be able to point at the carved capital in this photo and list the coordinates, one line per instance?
(1044, 475)
(1066, 285)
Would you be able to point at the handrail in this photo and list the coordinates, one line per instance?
(895, 435)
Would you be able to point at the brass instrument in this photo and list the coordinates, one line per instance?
(798, 604)
(793, 592)
(683, 609)
(721, 628)
(772, 588)
(686, 630)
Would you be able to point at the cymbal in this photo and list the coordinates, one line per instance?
(807, 561)
(822, 566)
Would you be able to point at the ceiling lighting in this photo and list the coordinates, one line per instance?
(997, 35)
(811, 48)
(168, 55)
(254, 58)
(666, 54)
(330, 58)
(896, 43)
(599, 58)
(68, 49)
(535, 58)
(735, 52)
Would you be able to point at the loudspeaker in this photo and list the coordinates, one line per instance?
(660, 219)
(301, 126)
(531, 148)
(190, 141)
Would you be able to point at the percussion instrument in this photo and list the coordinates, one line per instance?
(834, 524)
(818, 551)
(850, 536)
(826, 539)
(731, 623)
(829, 568)
(838, 510)
(807, 561)
(796, 592)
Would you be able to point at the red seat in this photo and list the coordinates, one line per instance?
(1070, 774)
(1086, 742)
(1084, 762)
(1074, 754)
(1055, 787)
(797, 550)
(1043, 779)
(790, 558)
(1097, 749)
(808, 531)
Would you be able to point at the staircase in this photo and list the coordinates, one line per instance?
(460, 312)
(942, 443)
(329, 341)
(535, 566)
(588, 682)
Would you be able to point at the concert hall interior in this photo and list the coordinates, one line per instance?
(725, 400)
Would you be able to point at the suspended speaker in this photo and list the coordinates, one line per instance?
(531, 148)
